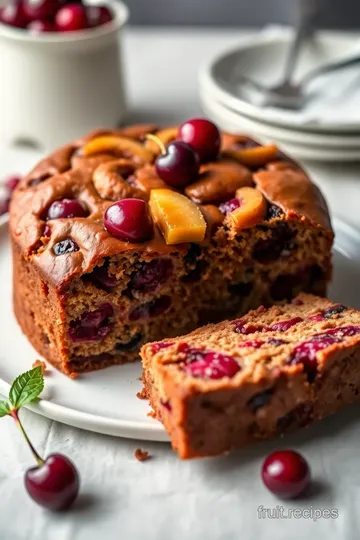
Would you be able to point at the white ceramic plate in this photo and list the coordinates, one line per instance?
(229, 120)
(263, 59)
(105, 401)
(291, 135)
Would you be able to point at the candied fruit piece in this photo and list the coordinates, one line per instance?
(120, 145)
(240, 327)
(179, 219)
(251, 211)
(255, 156)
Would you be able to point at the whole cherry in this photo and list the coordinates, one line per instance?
(178, 164)
(129, 220)
(54, 483)
(71, 18)
(67, 208)
(98, 15)
(13, 15)
(286, 473)
(203, 136)
(40, 9)
(39, 26)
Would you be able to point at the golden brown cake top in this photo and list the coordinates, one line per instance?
(110, 165)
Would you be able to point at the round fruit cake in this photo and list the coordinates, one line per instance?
(133, 235)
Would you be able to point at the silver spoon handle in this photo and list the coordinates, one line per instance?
(327, 68)
(301, 35)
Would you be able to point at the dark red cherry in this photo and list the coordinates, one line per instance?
(129, 220)
(286, 473)
(98, 15)
(71, 18)
(55, 484)
(40, 9)
(203, 136)
(39, 26)
(13, 14)
(179, 166)
(67, 208)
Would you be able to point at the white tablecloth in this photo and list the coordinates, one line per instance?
(164, 498)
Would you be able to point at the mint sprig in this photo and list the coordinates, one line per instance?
(25, 389)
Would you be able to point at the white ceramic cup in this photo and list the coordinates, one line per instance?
(56, 87)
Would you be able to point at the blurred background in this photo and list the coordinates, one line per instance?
(334, 13)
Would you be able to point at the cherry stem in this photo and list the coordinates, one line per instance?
(157, 141)
(15, 414)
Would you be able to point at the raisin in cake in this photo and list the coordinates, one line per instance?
(250, 229)
(230, 384)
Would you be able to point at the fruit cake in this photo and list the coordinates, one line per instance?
(137, 234)
(233, 383)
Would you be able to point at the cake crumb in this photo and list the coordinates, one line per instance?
(141, 455)
(43, 366)
(73, 375)
(151, 414)
(141, 394)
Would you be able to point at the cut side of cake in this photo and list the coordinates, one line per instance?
(271, 371)
(250, 229)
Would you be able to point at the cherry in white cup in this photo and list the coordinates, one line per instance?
(57, 86)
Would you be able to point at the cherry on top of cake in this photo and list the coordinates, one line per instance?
(140, 188)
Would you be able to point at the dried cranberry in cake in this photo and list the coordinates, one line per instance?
(271, 249)
(254, 343)
(152, 275)
(276, 342)
(129, 220)
(178, 165)
(47, 231)
(229, 206)
(282, 326)
(305, 353)
(242, 327)
(100, 276)
(209, 365)
(260, 400)
(343, 331)
(92, 325)
(334, 310)
(203, 136)
(65, 246)
(151, 309)
(166, 405)
(67, 208)
(156, 347)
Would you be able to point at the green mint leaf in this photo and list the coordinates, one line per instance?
(26, 387)
(4, 408)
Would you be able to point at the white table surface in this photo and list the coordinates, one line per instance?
(164, 498)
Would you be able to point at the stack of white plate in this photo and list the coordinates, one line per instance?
(332, 135)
